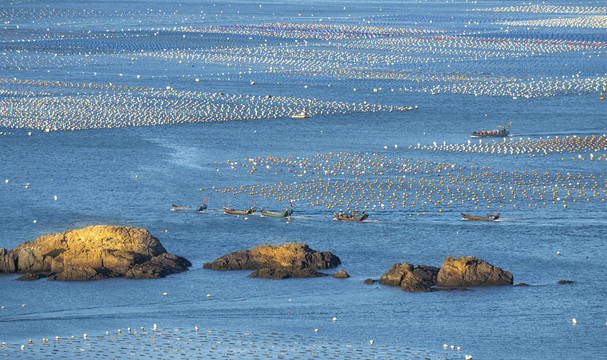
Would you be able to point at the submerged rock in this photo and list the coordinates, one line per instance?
(277, 262)
(562, 282)
(286, 273)
(455, 273)
(92, 253)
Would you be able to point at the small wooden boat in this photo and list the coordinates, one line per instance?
(198, 209)
(238, 212)
(493, 133)
(489, 217)
(350, 217)
(301, 115)
(503, 132)
(285, 213)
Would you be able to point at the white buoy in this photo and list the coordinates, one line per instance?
(334, 319)
(55, 197)
(84, 336)
(155, 327)
(574, 321)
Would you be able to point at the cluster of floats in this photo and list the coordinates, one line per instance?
(287, 212)
(341, 216)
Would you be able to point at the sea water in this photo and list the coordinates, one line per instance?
(130, 176)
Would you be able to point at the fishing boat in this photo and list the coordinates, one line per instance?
(489, 217)
(502, 132)
(198, 209)
(238, 212)
(285, 213)
(342, 217)
(301, 115)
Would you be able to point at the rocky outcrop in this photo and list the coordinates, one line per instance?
(277, 262)
(410, 278)
(7, 261)
(455, 273)
(341, 274)
(469, 271)
(92, 253)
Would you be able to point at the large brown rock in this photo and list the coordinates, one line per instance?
(7, 261)
(455, 273)
(410, 278)
(277, 262)
(92, 253)
(469, 271)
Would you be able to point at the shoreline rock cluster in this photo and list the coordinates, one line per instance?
(92, 253)
(98, 252)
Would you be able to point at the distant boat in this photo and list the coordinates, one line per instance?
(301, 115)
(350, 218)
(489, 217)
(503, 132)
(198, 209)
(283, 214)
(238, 212)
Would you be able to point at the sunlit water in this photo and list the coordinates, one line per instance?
(130, 176)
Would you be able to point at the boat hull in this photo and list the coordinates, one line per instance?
(283, 214)
(238, 212)
(479, 218)
(363, 217)
(490, 135)
(180, 208)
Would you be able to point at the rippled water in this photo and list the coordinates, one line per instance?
(129, 176)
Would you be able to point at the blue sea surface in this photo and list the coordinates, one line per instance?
(130, 175)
